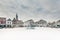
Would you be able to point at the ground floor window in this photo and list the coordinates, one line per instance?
(2, 26)
(58, 25)
(8, 25)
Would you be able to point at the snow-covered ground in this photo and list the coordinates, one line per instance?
(39, 33)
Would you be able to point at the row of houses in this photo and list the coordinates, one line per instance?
(42, 23)
(29, 23)
(8, 23)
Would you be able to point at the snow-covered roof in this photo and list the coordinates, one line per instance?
(29, 20)
(9, 19)
(41, 22)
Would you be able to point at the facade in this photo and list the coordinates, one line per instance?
(19, 23)
(41, 23)
(52, 25)
(2, 22)
(9, 23)
(57, 24)
(29, 23)
(16, 22)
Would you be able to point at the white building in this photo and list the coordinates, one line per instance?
(41, 23)
(52, 25)
(9, 23)
(19, 23)
(29, 23)
(57, 23)
(2, 22)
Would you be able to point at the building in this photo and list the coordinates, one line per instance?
(57, 24)
(19, 23)
(16, 16)
(9, 23)
(29, 23)
(2, 22)
(41, 23)
(51, 25)
(15, 21)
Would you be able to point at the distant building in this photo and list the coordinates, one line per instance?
(16, 22)
(9, 23)
(49, 24)
(57, 23)
(19, 23)
(29, 23)
(17, 17)
(41, 23)
(2, 22)
(52, 25)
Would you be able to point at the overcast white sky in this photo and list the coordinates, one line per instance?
(31, 9)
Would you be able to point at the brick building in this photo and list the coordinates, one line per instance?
(2, 22)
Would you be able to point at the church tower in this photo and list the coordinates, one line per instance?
(16, 16)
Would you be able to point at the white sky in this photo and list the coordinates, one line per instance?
(31, 9)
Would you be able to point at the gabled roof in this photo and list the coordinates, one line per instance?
(9, 19)
(41, 22)
(58, 21)
(30, 20)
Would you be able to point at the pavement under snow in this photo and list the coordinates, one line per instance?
(39, 33)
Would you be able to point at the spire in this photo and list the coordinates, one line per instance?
(16, 16)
